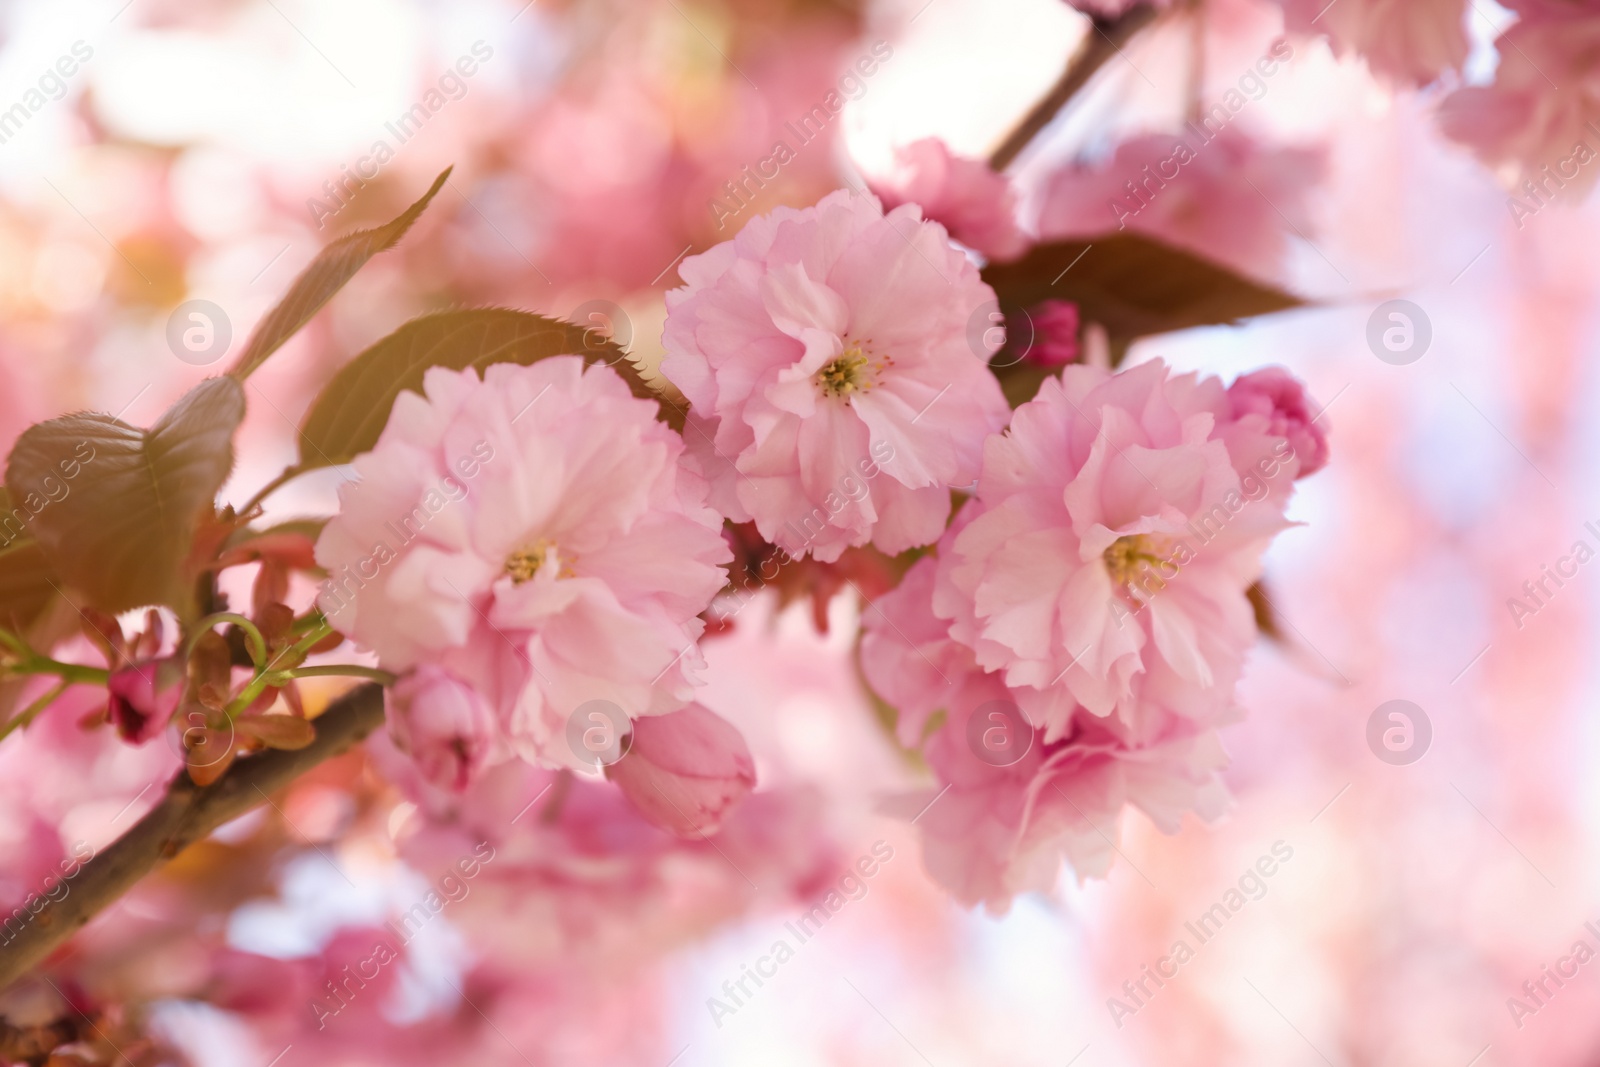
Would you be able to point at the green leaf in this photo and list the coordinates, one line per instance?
(13, 522)
(116, 507)
(346, 419)
(327, 274)
(1132, 285)
(26, 585)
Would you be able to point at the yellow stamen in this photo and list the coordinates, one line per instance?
(845, 375)
(1128, 556)
(524, 563)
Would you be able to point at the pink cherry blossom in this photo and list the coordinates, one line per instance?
(1056, 324)
(1273, 403)
(143, 697)
(531, 533)
(909, 658)
(991, 832)
(581, 878)
(1001, 831)
(836, 387)
(1223, 196)
(969, 199)
(1111, 548)
(1409, 41)
(1547, 137)
(685, 770)
(443, 724)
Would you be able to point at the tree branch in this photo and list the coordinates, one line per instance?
(186, 814)
(1104, 40)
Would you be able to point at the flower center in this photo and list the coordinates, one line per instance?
(1128, 556)
(855, 371)
(524, 563)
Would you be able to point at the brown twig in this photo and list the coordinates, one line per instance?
(186, 814)
(1104, 40)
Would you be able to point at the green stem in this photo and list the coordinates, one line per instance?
(311, 621)
(263, 677)
(312, 638)
(30, 662)
(31, 712)
(252, 636)
(337, 670)
(16, 644)
(68, 672)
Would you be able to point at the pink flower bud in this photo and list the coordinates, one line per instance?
(685, 770)
(1055, 334)
(144, 696)
(1280, 399)
(443, 724)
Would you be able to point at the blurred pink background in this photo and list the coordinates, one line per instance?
(588, 147)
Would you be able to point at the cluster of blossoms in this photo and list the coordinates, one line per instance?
(1057, 596)
(1092, 586)
(573, 571)
(1093, 596)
